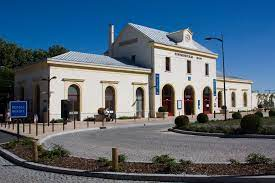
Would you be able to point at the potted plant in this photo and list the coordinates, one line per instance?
(101, 115)
(223, 109)
(162, 112)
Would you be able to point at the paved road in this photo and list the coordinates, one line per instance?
(142, 143)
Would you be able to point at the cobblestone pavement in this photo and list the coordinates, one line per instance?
(10, 173)
(142, 143)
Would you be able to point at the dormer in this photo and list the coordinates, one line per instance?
(181, 37)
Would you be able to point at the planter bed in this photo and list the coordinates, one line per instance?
(135, 167)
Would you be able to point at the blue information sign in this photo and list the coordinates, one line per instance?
(215, 87)
(199, 104)
(18, 109)
(157, 84)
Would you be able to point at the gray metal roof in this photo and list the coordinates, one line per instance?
(220, 74)
(88, 58)
(160, 36)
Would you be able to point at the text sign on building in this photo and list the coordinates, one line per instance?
(214, 87)
(179, 104)
(157, 84)
(18, 109)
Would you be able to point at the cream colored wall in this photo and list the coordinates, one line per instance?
(239, 88)
(178, 77)
(29, 77)
(93, 90)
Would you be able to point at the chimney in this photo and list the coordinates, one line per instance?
(111, 38)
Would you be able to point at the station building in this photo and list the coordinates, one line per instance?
(143, 69)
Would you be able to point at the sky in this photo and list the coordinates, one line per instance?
(248, 27)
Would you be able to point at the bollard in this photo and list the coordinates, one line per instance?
(115, 117)
(23, 124)
(134, 117)
(30, 127)
(114, 159)
(43, 126)
(34, 151)
(63, 125)
(148, 116)
(87, 124)
(52, 125)
(13, 125)
(36, 128)
(215, 114)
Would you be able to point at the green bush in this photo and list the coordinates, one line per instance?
(57, 121)
(260, 106)
(259, 113)
(185, 162)
(122, 158)
(255, 158)
(181, 121)
(202, 118)
(251, 123)
(237, 115)
(234, 162)
(56, 152)
(104, 161)
(162, 109)
(163, 159)
(89, 119)
(271, 113)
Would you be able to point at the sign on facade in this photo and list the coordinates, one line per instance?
(18, 109)
(179, 104)
(157, 84)
(214, 87)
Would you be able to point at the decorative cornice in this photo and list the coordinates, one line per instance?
(109, 82)
(73, 80)
(139, 83)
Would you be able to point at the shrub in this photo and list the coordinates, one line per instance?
(271, 113)
(250, 123)
(56, 152)
(255, 158)
(234, 162)
(260, 106)
(101, 110)
(89, 119)
(163, 159)
(104, 161)
(236, 115)
(57, 121)
(185, 162)
(223, 107)
(181, 121)
(259, 113)
(202, 118)
(122, 158)
(162, 109)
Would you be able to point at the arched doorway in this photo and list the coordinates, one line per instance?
(139, 103)
(220, 99)
(74, 98)
(168, 99)
(110, 100)
(207, 100)
(189, 100)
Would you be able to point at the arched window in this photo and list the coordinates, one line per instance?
(233, 99)
(245, 99)
(74, 98)
(110, 99)
(220, 99)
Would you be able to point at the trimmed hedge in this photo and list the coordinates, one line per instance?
(202, 118)
(101, 111)
(259, 113)
(271, 113)
(251, 123)
(237, 115)
(181, 121)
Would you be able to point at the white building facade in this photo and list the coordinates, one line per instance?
(145, 68)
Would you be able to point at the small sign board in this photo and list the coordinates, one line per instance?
(179, 104)
(18, 109)
(157, 83)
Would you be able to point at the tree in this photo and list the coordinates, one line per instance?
(56, 50)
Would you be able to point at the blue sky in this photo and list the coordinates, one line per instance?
(248, 27)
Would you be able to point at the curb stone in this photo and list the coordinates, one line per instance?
(221, 135)
(135, 176)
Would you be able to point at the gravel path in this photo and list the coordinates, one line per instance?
(142, 143)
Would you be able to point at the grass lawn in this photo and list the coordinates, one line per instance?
(231, 126)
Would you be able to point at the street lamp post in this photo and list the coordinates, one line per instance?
(49, 94)
(223, 66)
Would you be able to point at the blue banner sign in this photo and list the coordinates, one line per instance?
(18, 109)
(179, 104)
(214, 87)
(157, 84)
(199, 104)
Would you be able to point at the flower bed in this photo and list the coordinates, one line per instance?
(256, 164)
